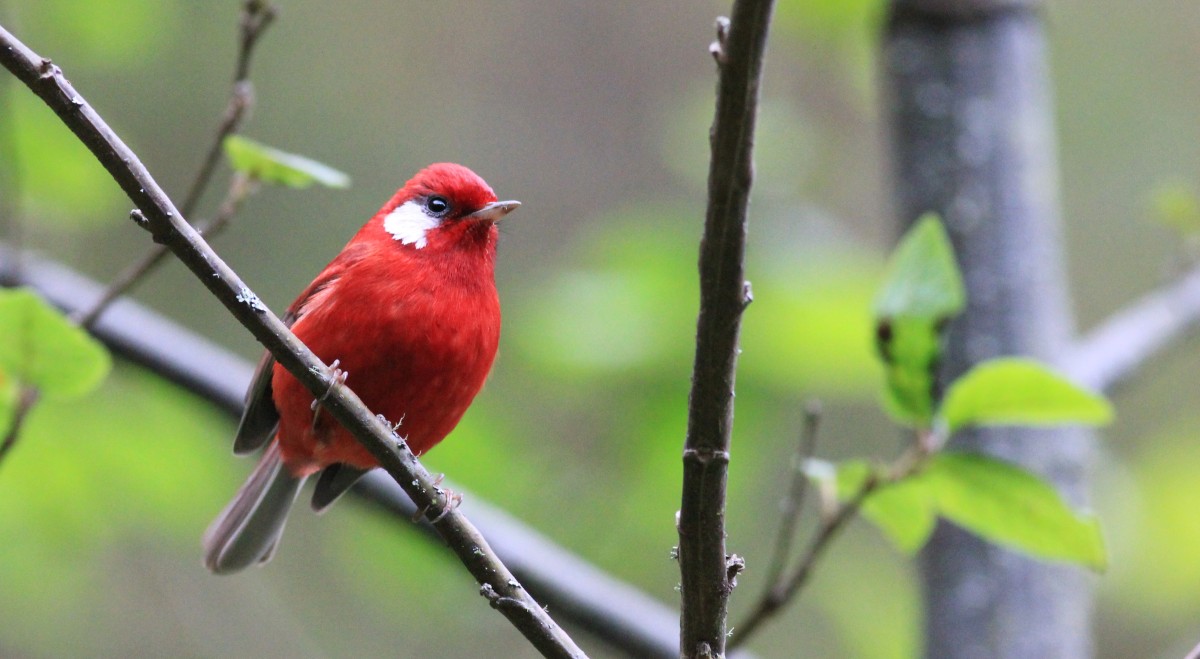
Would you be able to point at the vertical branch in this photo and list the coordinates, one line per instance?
(631, 621)
(973, 138)
(707, 574)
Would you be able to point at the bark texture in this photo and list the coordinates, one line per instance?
(972, 131)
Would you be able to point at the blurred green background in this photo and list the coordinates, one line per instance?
(595, 115)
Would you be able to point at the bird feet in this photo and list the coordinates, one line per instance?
(338, 377)
(453, 501)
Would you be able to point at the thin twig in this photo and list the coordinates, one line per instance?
(158, 215)
(578, 592)
(707, 572)
(256, 17)
(785, 590)
(1104, 359)
(26, 399)
(793, 503)
(240, 186)
(1118, 348)
(782, 592)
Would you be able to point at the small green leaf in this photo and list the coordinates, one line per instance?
(922, 278)
(850, 475)
(1018, 391)
(1010, 506)
(274, 166)
(904, 510)
(921, 291)
(39, 347)
(909, 347)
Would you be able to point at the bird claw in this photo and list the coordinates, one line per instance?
(337, 377)
(453, 501)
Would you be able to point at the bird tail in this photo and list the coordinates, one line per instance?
(248, 530)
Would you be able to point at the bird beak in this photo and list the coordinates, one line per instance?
(494, 211)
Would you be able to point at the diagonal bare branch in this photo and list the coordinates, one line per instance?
(256, 17)
(578, 592)
(1116, 350)
(157, 214)
(27, 397)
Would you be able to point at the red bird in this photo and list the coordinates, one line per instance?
(409, 311)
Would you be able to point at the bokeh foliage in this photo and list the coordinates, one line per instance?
(598, 124)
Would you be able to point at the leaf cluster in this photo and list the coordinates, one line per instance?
(997, 500)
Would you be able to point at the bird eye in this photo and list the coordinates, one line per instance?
(437, 206)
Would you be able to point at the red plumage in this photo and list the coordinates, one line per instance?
(409, 309)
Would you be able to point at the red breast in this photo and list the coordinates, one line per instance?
(409, 309)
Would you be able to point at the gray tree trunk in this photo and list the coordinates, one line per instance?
(971, 123)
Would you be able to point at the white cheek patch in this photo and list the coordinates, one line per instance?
(409, 223)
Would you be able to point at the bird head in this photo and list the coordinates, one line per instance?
(444, 206)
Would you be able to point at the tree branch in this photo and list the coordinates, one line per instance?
(574, 589)
(793, 503)
(256, 17)
(240, 187)
(26, 398)
(1116, 350)
(782, 591)
(707, 574)
(1106, 358)
(157, 214)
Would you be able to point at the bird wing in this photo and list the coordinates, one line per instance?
(260, 418)
(333, 483)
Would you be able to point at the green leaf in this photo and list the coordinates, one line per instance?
(1018, 391)
(274, 166)
(43, 349)
(922, 290)
(910, 348)
(922, 278)
(904, 510)
(1010, 506)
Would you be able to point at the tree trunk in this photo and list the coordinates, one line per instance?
(972, 131)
